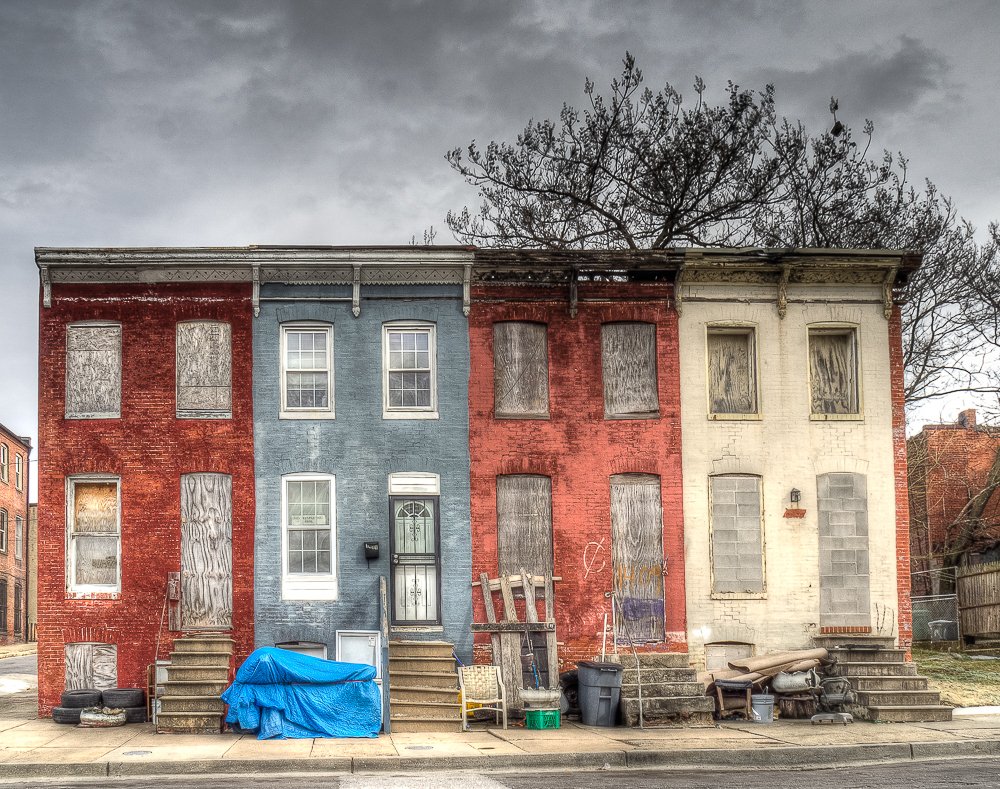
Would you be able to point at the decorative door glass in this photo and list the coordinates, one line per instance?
(415, 559)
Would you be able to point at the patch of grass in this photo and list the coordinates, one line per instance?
(962, 681)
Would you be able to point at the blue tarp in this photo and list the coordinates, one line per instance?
(279, 693)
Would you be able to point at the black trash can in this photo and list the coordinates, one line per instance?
(600, 691)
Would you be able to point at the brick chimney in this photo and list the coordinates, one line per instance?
(967, 418)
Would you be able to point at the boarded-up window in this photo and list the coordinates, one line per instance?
(737, 539)
(91, 666)
(637, 554)
(204, 369)
(833, 371)
(93, 371)
(520, 370)
(524, 524)
(94, 536)
(732, 385)
(628, 360)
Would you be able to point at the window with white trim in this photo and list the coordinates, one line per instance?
(409, 371)
(93, 554)
(308, 537)
(18, 471)
(4, 460)
(306, 371)
(3, 531)
(18, 537)
(833, 372)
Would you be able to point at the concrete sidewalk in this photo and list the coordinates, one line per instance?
(41, 748)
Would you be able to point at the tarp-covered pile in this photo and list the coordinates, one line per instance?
(280, 694)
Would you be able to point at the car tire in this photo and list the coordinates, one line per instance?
(78, 699)
(122, 698)
(135, 714)
(66, 715)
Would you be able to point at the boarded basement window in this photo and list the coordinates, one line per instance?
(91, 666)
(206, 551)
(520, 370)
(637, 553)
(93, 371)
(737, 538)
(731, 379)
(628, 361)
(204, 370)
(524, 524)
(718, 655)
(833, 371)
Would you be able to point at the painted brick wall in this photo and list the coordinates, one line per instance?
(149, 449)
(15, 502)
(579, 449)
(361, 449)
(789, 450)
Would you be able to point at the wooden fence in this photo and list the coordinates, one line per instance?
(979, 599)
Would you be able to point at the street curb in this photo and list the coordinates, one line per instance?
(775, 758)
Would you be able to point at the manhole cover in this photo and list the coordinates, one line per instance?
(419, 747)
(136, 753)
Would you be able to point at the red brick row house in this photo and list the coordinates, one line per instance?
(15, 453)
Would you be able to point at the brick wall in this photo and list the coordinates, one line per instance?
(149, 449)
(15, 502)
(579, 450)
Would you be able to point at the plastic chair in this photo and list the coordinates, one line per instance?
(482, 685)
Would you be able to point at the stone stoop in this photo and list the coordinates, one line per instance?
(888, 687)
(423, 687)
(671, 692)
(197, 675)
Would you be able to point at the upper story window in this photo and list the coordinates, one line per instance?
(18, 537)
(306, 371)
(409, 364)
(520, 370)
(93, 371)
(18, 471)
(204, 370)
(309, 537)
(4, 460)
(732, 371)
(3, 531)
(93, 556)
(628, 362)
(833, 372)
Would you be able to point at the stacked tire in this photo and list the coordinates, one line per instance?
(132, 700)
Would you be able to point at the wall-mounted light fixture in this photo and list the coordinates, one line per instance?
(795, 496)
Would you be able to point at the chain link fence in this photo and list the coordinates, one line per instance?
(935, 618)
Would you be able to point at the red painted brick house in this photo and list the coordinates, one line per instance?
(146, 420)
(950, 474)
(574, 431)
(15, 451)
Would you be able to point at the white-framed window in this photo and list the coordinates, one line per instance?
(18, 537)
(308, 537)
(409, 371)
(93, 534)
(834, 382)
(204, 370)
(4, 460)
(307, 371)
(732, 371)
(18, 471)
(93, 371)
(3, 531)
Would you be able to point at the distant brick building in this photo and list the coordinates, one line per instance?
(950, 468)
(15, 452)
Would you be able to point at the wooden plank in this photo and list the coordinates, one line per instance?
(510, 668)
(637, 556)
(551, 646)
(515, 581)
(731, 382)
(90, 665)
(93, 371)
(206, 551)
(491, 616)
(513, 627)
(524, 524)
(520, 369)
(530, 611)
(204, 369)
(628, 361)
(509, 611)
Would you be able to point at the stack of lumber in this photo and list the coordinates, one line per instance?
(759, 670)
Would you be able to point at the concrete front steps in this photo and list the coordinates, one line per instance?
(423, 687)
(888, 687)
(197, 675)
(671, 692)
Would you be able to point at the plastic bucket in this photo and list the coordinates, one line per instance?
(599, 692)
(762, 706)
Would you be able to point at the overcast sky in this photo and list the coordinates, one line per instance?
(233, 123)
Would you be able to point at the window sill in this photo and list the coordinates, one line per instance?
(72, 594)
(735, 417)
(306, 415)
(93, 416)
(836, 417)
(739, 596)
(511, 417)
(416, 629)
(630, 417)
(410, 415)
(204, 414)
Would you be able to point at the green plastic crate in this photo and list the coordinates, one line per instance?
(541, 719)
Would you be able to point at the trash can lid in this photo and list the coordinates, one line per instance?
(597, 665)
